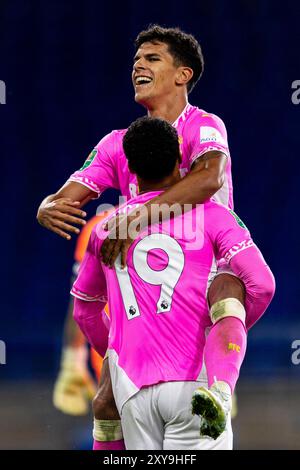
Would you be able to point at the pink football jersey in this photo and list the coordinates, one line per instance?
(198, 132)
(158, 304)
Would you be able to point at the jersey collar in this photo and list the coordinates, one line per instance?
(182, 117)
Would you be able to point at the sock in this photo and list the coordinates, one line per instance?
(225, 350)
(108, 435)
(109, 445)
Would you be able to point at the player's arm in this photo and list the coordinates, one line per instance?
(90, 295)
(90, 318)
(253, 271)
(208, 151)
(60, 212)
(73, 337)
(233, 242)
(204, 180)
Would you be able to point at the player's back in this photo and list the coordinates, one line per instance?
(158, 303)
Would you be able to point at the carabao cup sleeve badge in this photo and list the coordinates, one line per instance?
(89, 160)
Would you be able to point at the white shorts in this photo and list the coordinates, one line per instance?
(159, 418)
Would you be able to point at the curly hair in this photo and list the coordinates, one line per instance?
(184, 48)
(151, 147)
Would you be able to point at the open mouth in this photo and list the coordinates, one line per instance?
(142, 81)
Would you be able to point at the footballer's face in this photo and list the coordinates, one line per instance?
(154, 73)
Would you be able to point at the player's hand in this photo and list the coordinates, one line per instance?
(73, 392)
(60, 216)
(74, 387)
(122, 231)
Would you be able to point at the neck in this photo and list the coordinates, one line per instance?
(147, 186)
(169, 109)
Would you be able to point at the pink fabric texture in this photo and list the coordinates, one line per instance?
(225, 350)
(109, 445)
(92, 321)
(250, 266)
(159, 312)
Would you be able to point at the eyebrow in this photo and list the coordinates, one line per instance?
(147, 56)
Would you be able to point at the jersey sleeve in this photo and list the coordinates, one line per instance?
(251, 268)
(228, 233)
(98, 172)
(90, 284)
(84, 236)
(208, 133)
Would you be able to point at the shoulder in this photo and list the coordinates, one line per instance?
(113, 139)
(207, 127)
(222, 216)
(201, 117)
(215, 207)
(217, 214)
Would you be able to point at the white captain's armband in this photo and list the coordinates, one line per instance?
(230, 307)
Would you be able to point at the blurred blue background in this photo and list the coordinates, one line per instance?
(67, 69)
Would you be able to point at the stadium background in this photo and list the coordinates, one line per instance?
(67, 68)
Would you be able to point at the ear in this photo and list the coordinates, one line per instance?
(183, 75)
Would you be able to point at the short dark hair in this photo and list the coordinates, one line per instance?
(152, 148)
(184, 48)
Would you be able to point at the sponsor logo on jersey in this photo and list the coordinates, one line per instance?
(238, 220)
(210, 134)
(89, 160)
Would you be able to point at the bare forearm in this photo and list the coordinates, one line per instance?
(196, 188)
(72, 191)
(204, 180)
(54, 197)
